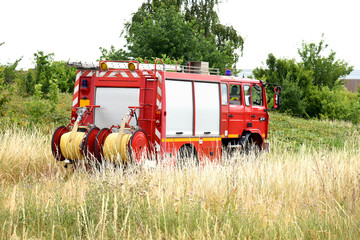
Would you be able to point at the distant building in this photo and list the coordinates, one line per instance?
(352, 85)
(352, 81)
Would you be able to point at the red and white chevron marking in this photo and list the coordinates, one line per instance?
(158, 104)
(76, 89)
(102, 74)
(123, 74)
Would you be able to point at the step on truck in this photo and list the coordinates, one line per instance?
(125, 112)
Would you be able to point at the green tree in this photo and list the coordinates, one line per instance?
(63, 75)
(181, 29)
(10, 73)
(53, 93)
(47, 70)
(151, 37)
(311, 88)
(43, 71)
(1, 75)
(113, 54)
(294, 78)
(326, 69)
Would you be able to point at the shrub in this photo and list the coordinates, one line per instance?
(39, 109)
(4, 99)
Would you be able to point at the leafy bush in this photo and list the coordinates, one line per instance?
(9, 72)
(47, 71)
(4, 99)
(6, 90)
(36, 100)
(292, 99)
(26, 85)
(63, 75)
(294, 79)
(312, 87)
(40, 110)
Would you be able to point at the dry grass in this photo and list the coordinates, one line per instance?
(25, 154)
(284, 194)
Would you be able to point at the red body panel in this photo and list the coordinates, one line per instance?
(234, 119)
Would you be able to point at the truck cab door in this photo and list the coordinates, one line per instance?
(248, 112)
(237, 114)
(259, 115)
(224, 110)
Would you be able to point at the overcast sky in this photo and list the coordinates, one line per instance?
(75, 29)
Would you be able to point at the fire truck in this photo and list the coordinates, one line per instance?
(124, 112)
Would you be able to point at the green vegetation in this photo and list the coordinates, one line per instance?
(28, 112)
(47, 72)
(37, 97)
(186, 30)
(294, 132)
(312, 88)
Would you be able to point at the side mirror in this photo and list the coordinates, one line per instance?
(277, 99)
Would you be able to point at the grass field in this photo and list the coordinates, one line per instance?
(307, 187)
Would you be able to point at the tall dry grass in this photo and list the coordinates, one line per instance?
(305, 194)
(26, 154)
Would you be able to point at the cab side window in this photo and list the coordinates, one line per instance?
(257, 95)
(235, 94)
(247, 95)
(224, 94)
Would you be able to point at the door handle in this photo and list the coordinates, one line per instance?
(230, 115)
(253, 116)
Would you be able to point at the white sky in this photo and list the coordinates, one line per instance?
(75, 29)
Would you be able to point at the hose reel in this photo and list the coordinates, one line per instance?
(99, 145)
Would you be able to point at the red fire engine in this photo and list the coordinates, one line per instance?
(124, 111)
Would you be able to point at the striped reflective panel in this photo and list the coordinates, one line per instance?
(90, 74)
(158, 104)
(124, 74)
(128, 74)
(76, 89)
(135, 75)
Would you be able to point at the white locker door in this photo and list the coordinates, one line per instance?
(207, 109)
(114, 103)
(179, 108)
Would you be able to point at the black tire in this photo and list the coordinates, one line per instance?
(187, 157)
(252, 147)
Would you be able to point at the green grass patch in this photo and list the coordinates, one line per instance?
(294, 132)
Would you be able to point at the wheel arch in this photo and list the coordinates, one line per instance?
(188, 145)
(253, 136)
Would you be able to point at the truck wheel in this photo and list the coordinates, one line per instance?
(252, 147)
(55, 142)
(187, 157)
(139, 146)
(99, 143)
(89, 145)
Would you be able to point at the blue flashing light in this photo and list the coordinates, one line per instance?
(228, 72)
(84, 83)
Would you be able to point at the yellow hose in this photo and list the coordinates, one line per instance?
(70, 145)
(74, 131)
(115, 146)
